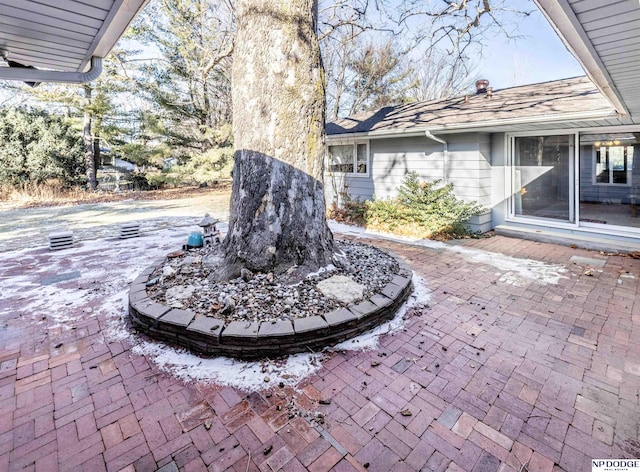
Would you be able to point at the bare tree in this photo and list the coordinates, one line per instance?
(435, 75)
(445, 35)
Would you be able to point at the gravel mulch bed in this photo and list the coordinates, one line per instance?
(182, 282)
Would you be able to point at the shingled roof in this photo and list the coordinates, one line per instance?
(553, 101)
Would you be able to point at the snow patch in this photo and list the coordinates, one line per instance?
(515, 271)
(368, 341)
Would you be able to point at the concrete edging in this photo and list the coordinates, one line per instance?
(251, 340)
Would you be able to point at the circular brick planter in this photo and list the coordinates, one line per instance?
(250, 340)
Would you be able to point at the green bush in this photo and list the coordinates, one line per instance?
(37, 146)
(421, 209)
(159, 180)
(211, 166)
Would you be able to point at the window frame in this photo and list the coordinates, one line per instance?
(354, 167)
(628, 165)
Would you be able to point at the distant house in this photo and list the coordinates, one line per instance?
(547, 160)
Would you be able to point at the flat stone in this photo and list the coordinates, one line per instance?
(179, 292)
(405, 269)
(150, 309)
(178, 317)
(392, 290)
(364, 308)
(170, 467)
(401, 281)
(310, 323)
(279, 329)
(210, 327)
(587, 261)
(380, 300)
(340, 317)
(341, 288)
(148, 271)
(137, 296)
(139, 287)
(241, 329)
(141, 279)
(54, 279)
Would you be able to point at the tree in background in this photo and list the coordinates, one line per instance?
(366, 77)
(94, 108)
(436, 75)
(38, 146)
(418, 49)
(188, 84)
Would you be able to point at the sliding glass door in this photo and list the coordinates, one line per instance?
(610, 179)
(543, 177)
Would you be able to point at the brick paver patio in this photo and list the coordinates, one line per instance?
(500, 372)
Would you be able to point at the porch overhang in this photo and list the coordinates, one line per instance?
(605, 39)
(61, 40)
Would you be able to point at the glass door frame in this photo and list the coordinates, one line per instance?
(573, 180)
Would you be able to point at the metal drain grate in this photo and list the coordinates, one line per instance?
(129, 230)
(61, 240)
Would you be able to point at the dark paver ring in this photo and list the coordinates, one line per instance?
(250, 340)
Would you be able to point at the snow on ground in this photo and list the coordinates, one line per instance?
(514, 271)
(101, 289)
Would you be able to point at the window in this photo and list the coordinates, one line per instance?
(349, 158)
(613, 164)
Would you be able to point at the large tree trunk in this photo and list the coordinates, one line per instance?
(277, 203)
(89, 157)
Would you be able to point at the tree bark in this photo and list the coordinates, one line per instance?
(89, 157)
(277, 204)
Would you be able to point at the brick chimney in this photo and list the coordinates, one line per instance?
(481, 86)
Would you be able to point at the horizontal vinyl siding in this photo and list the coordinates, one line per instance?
(392, 159)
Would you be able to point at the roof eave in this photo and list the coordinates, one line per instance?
(487, 126)
(113, 27)
(120, 17)
(568, 27)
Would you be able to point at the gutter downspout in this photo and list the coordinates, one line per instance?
(445, 154)
(37, 75)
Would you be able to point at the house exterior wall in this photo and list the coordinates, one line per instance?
(480, 169)
(468, 169)
(391, 159)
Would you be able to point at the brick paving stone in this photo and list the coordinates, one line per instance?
(487, 463)
(539, 393)
(314, 450)
(326, 461)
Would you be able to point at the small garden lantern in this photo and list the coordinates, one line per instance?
(209, 230)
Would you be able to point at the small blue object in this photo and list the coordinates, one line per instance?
(195, 240)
